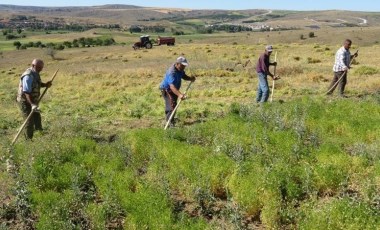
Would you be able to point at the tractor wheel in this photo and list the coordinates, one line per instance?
(148, 45)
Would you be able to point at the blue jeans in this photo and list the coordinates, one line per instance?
(263, 88)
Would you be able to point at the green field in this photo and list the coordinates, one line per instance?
(305, 161)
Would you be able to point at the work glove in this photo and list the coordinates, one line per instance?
(35, 108)
(48, 84)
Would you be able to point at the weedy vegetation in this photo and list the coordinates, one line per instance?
(305, 161)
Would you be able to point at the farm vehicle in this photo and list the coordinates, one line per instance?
(146, 42)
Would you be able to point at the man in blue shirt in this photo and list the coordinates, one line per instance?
(28, 96)
(171, 84)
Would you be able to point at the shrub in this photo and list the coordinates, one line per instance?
(289, 70)
(10, 36)
(366, 70)
(312, 60)
(338, 214)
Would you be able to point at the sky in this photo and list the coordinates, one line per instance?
(354, 5)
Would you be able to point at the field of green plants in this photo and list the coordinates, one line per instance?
(305, 161)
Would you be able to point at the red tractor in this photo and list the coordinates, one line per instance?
(147, 43)
(144, 42)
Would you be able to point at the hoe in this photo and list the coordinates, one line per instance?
(175, 109)
(274, 73)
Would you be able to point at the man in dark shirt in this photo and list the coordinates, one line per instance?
(262, 69)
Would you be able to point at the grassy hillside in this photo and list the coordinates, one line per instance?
(127, 15)
(305, 161)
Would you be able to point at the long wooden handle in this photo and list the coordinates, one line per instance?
(31, 113)
(175, 109)
(43, 93)
(274, 73)
(22, 128)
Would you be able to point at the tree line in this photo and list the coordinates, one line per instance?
(81, 42)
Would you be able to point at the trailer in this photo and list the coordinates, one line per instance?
(170, 41)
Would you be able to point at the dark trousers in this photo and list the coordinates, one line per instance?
(342, 83)
(170, 103)
(34, 122)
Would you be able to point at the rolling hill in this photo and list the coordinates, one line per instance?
(127, 15)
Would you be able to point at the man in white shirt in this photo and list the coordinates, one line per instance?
(342, 64)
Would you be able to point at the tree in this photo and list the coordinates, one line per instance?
(17, 44)
(311, 35)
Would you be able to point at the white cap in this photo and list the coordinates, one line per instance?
(269, 48)
(182, 61)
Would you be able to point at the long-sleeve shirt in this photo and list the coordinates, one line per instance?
(262, 65)
(342, 60)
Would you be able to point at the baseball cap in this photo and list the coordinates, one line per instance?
(269, 48)
(182, 61)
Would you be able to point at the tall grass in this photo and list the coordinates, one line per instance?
(303, 163)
